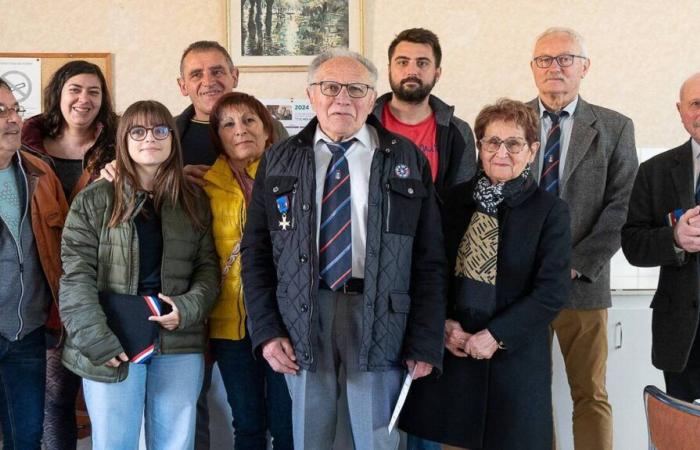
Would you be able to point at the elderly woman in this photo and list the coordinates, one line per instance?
(508, 248)
(241, 129)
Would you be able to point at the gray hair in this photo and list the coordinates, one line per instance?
(342, 53)
(573, 34)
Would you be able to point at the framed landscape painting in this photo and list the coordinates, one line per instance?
(285, 35)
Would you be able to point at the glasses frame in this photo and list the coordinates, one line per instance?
(539, 60)
(170, 130)
(5, 110)
(485, 144)
(320, 84)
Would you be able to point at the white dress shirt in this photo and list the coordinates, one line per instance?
(359, 157)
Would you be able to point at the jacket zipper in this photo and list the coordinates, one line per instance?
(312, 254)
(294, 192)
(19, 252)
(388, 206)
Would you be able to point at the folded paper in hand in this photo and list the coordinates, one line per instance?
(402, 399)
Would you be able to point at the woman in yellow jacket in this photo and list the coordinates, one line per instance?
(241, 131)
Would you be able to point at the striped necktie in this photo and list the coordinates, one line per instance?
(549, 180)
(335, 235)
(697, 192)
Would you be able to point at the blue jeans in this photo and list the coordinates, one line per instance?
(254, 408)
(164, 391)
(22, 380)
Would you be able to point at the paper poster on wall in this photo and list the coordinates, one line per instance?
(24, 77)
(294, 114)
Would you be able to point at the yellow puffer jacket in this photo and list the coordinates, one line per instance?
(227, 319)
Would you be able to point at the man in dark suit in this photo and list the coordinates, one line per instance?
(663, 229)
(589, 159)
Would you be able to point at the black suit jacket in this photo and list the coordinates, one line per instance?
(663, 184)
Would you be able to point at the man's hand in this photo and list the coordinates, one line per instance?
(422, 368)
(482, 345)
(171, 320)
(109, 171)
(117, 360)
(195, 173)
(686, 232)
(279, 353)
(456, 338)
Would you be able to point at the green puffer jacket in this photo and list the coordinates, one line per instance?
(97, 258)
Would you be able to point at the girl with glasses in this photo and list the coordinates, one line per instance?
(146, 234)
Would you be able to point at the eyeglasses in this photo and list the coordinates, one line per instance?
(564, 60)
(159, 132)
(5, 110)
(332, 88)
(493, 144)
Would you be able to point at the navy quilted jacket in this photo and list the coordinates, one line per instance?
(405, 267)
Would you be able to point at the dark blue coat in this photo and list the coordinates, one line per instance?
(404, 279)
(504, 402)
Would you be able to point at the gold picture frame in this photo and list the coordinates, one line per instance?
(288, 22)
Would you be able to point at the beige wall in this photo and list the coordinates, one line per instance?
(640, 51)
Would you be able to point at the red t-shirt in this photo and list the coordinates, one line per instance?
(423, 134)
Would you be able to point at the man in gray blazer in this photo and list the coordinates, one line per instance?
(663, 229)
(589, 159)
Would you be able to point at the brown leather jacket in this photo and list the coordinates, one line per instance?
(48, 211)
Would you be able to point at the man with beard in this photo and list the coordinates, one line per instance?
(410, 110)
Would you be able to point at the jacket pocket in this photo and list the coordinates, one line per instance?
(280, 192)
(660, 302)
(404, 199)
(399, 307)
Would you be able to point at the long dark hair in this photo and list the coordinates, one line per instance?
(169, 182)
(53, 122)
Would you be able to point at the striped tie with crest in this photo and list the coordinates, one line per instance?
(549, 180)
(335, 235)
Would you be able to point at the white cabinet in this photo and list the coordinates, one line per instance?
(629, 370)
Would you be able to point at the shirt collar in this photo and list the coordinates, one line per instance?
(696, 149)
(363, 136)
(570, 108)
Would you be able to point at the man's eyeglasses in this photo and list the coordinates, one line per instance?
(5, 110)
(139, 133)
(564, 60)
(493, 144)
(333, 88)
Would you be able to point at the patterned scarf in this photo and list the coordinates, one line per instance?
(477, 255)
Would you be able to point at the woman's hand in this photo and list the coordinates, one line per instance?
(195, 173)
(482, 345)
(171, 320)
(117, 360)
(456, 338)
(109, 171)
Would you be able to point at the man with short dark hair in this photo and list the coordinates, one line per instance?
(663, 229)
(588, 158)
(206, 73)
(410, 110)
(343, 261)
(32, 210)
